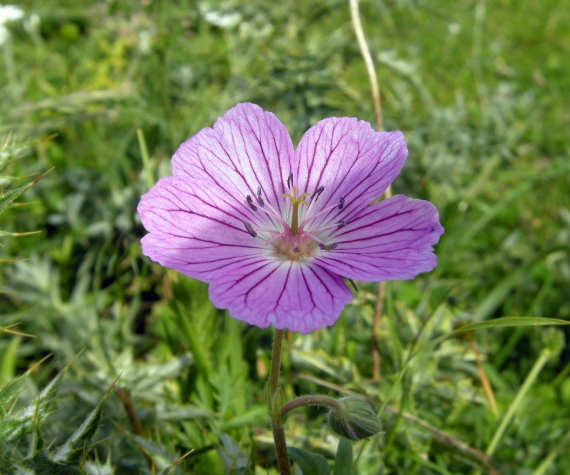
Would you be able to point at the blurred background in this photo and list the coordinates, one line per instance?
(105, 91)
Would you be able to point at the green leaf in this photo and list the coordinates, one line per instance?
(160, 455)
(98, 468)
(7, 198)
(234, 460)
(8, 359)
(255, 415)
(310, 464)
(41, 464)
(498, 323)
(513, 322)
(10, 390)
(14, 387)
(496, 296)
(73, 445)
(343, 459)
(36, 440)
(48, 394)
(322, 463)
(12, 429)
(495, 323)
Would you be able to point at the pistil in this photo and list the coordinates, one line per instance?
(295, 202)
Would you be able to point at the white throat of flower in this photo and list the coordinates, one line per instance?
(295, 241)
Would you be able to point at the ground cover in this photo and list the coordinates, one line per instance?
(480, 91)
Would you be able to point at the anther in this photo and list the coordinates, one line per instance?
(296, 249)
(250, 203)
(341, 204)
(259, 198)
(317, 193)
(290, 180)
(330, 247)
(249, 229)
(341, 224)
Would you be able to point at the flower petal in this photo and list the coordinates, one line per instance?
(287, 294)
(350, 160)
(390, 240)
(195, 229)
(248, 147)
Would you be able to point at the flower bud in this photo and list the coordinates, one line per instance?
(355, 421)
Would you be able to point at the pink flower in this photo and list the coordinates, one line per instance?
(274, 231)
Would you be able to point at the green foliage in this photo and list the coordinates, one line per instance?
(11, 150)
(22, 444)
(477, 88)
(310, 464)
(343, 459)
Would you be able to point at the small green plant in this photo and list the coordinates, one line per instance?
(23, 448)
(11, 150)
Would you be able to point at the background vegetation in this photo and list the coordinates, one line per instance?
(481, 92)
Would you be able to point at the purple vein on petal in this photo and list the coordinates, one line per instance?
(354, 162)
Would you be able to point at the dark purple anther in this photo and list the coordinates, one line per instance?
(317, 193)
(250, 203)
(259, 198)
(296, 249)
(249, 229)
(330, 247)
(341, 204)
(341, 224)
(290, 180)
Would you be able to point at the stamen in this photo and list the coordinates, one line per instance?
(296, 249)
(330, 247)
(249, 229)
(313, 237)
(310, 218)
(290, 180)
(317, 193)
(341, 224)
(275, 214)
(273, 239)
(341, 204)
(250, 203)
(259, 198)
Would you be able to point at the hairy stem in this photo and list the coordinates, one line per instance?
(276, 426)
(275, 360)
(311, 400)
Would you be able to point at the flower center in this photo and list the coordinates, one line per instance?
(295, 241)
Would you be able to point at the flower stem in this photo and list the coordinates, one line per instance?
(311, 400)
(276, 426)
(275, 360)
(366, 56)
(281, 449)
(371, 71)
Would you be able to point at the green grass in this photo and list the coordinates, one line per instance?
(480, 91)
